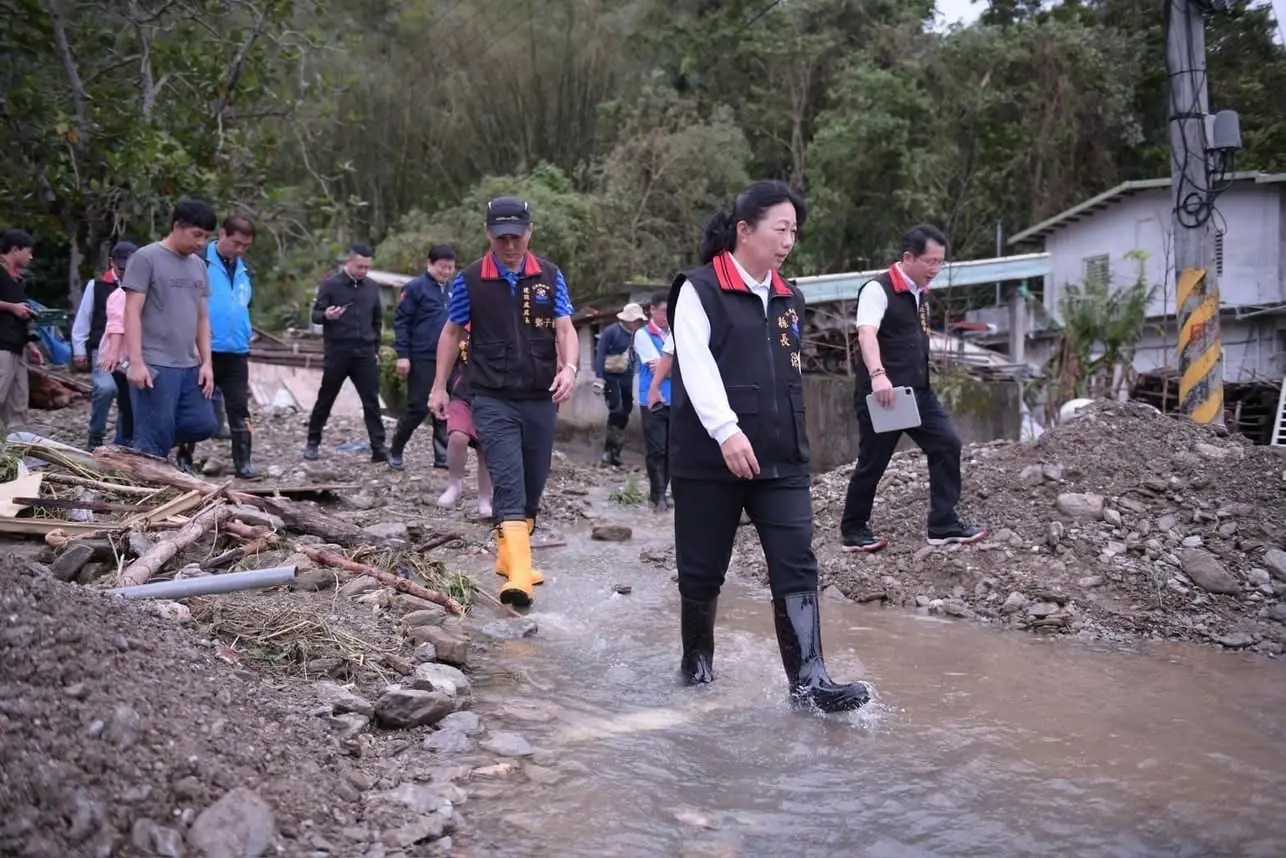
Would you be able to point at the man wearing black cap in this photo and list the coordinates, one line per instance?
(523, 358)
(421, 313)
(86, 333)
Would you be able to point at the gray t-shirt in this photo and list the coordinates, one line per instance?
(176, 288)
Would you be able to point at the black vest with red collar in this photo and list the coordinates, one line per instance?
(513, 353)
(903, 336)
(758, 356)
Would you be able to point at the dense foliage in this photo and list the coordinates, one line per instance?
(624, 122)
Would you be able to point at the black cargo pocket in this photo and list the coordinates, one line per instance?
(489, 364)
(802, 450)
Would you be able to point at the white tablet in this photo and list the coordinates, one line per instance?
(902, 414)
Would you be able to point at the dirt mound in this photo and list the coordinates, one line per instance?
(1120, 523)
(125, 734)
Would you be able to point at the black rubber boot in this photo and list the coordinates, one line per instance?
(696, 620)
(95, 441)
(220, 417)
(439, 444)
(183, 458)
(799, 635)
(241, 447)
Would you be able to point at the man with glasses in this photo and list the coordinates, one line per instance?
(893, 333)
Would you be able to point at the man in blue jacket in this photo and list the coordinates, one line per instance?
(421, 314)
(231, 294)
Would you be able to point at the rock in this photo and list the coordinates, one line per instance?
(402, 708)
(434, 616)
(123, 727)
(1275, 560)
(349, 724)
(611, 533)
(1167, 522)
(1194, 541)
(467, 723)
(1054, 533)
(1040, 610)
(1260, 578)
(420, 798)
(1080, 507)
(213, 467)
(313, 580)
(443, 677)
(622, 589)
(508, 745)
(1112, 517)
(388, 530)
(511, 629)
(1213, 453)
(1235, 640)
(450, 648)
(955, 608)
(447, 742)
(357, 587)
(1207, 572)
(152, 839)
(176, 612)
(424, 653)
(541, 775)
(69, 563)
(1032, 475)
(428, 827)
(1014, 602)
(341, 699)
(239, 825)
(1277, 612)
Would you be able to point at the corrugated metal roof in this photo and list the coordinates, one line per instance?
(1116, 195)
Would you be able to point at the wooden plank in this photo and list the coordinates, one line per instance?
(298, 491)
(174, 506)
(41, 526)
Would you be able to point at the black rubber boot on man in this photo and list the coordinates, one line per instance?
(183, 458)
(799, 636)
(241, 448)
(696, 622)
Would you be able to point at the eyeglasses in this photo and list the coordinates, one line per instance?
(932, 263)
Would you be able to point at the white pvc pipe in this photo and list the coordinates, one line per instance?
(209, 585)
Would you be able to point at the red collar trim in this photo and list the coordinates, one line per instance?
(730, 279)
(900, 282)
(654, 330)
(491, 267)
(110, 276)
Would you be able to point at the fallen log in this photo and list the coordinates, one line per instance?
(388, 579)
(145, 567)
(101, 485)
(235, 555)
(313, 521)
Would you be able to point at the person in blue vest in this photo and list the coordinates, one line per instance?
(614, 377)
(523, 357)
(231, 296)
(649, 344)
(421, 313)
(738, 439)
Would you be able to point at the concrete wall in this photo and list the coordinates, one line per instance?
(981, 412)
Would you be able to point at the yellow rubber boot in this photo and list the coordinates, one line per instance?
(502, 565)
(502, 568)
(536, 577)
(518, 592)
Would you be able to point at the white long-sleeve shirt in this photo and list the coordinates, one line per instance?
(701, 379)
(872, 304)
(83, 322)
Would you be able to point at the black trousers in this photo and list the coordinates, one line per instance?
(517, 438)
(419, 384)
(232, 377)
(364, 371)
(656, 435)
(781, 510)
(618, 394)
(124, 410)
(935, 436)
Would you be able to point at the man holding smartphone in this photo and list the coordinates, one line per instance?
(17, 327)
(349, 310)
(893, 334)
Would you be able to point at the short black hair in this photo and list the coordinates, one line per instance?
(15, 239)
(360, 250)
(917, 238)
(438, 252)
(194, 213)
(660, 298)
(239, 225)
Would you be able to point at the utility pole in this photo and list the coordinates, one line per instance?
(1200, 346)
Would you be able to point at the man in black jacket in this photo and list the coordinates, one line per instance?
(17, 328)
(421, 313)
(893, 333)
(349, 309)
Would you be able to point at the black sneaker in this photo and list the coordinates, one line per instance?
(311, 453)
(862, 539)
(396, 462)
(379, 457)
(956, 534)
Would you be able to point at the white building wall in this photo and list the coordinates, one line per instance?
(1250, 216)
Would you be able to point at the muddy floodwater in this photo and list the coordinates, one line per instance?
(980, 743)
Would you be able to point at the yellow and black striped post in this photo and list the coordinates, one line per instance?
(1200, 347)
